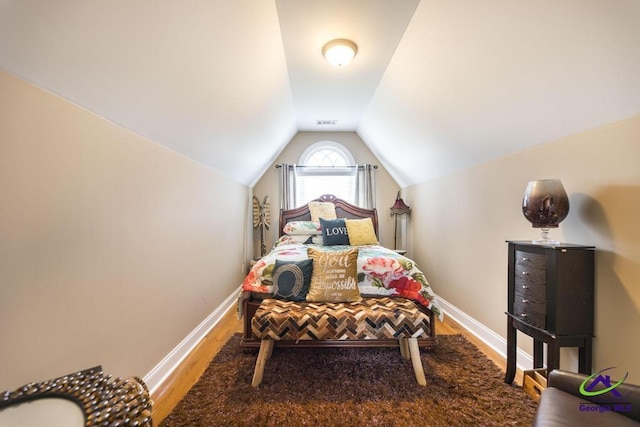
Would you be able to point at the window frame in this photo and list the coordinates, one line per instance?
(350, 170)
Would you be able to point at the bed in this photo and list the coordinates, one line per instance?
(382, 275)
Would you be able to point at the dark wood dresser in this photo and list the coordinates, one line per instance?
(550, 298)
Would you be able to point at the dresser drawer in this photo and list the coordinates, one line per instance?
(530, 274)
(530, 289)
(531, 260)
(529, 303)
(527, 315)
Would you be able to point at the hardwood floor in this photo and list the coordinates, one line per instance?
(187, 374)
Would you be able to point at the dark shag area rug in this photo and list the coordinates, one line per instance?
(352, 387)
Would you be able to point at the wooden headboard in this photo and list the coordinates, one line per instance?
(343, 210)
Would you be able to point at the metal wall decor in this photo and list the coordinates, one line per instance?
(262, 220)
(121, 402)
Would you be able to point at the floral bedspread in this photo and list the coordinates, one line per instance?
(381, 271)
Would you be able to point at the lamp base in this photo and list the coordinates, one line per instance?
(545, 239)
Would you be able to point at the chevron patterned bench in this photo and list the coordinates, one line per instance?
(377, 318)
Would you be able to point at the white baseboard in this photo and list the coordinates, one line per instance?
(484, 334)
(172, 360)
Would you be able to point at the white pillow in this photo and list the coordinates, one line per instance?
(302, 228)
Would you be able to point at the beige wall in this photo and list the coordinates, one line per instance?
(386, 187)
(112, 248)
(460, 223)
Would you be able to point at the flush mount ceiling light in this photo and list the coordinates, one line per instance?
(339, 52)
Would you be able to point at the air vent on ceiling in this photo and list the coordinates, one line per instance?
(326, 122)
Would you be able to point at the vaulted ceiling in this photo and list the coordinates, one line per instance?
(436, 86)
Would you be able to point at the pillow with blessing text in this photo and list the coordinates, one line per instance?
(335, 275)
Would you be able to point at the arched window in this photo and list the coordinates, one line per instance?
(327, 154)
(326, 168)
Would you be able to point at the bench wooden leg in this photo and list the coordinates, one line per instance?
(266, 348)
(269, 349)
(414, 351)
(404, 348)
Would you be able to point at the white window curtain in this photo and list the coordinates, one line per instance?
(287, 186)
(366, 186)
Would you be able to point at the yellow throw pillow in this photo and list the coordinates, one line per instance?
(361, 232)
(325, 210)
(335, 275)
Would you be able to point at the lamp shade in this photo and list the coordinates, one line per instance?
(545, 203)
(399, 207)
